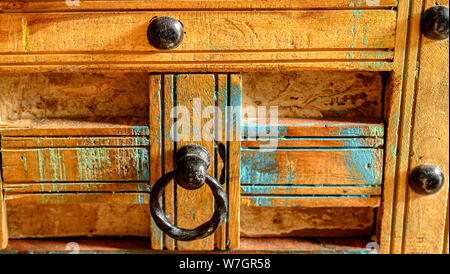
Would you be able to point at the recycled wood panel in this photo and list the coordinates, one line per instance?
(299, 127)
(90, 5)
(236, 40)
(312, 167)
(78, 214)
(188, 209)
(75, 164)
(418, 110)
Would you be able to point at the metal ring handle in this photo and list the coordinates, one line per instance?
(200, 232)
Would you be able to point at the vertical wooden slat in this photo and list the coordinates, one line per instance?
(220, 236)
(169, 90)
(425, 216)
(401, 181)
(3, 226)
(234, 148)
(446, 232)
(155, 90)
(195, 207)
(392, 113)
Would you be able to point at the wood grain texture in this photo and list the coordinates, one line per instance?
(93, 214)
(230, 36)
(194, 207)
(317, 142)
(309, 190)
(156, 152)
(234, 147)
(222, 165)
(78, 128)
(406, 104)
(309, 202)
(298, 127)
(294, 167)
(76, 187)
(70, 96)
(306, 222)
(425, 217)
(316, 94)
(75, 164)
(393, 101)
(3, 219)
(102, 5)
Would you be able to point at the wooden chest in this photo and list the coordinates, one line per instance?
(308, 119)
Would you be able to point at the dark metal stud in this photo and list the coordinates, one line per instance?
(426, 179)
(165, 32)
(435, 23)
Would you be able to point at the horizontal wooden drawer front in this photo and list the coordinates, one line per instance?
(41, 154)
(93, 5)
(312, 163)
(312, 167)
(213, 39)
(75, 164)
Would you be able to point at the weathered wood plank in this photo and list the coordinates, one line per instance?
(388, 217)
(316, 143)
(234, 146)
(77, 198)
(94, 5)
(201, 66)
(297, 127)
(3, 219)
(67, 142)
(312, 167)
(425, 218)
(324, 95)
(310, 190)
(156, 153)
(239, 30)
(220, 236)
(308, 201)
(77, 187)
(306, 222)
(194, 207)
(75, 164)
(169, 148)
(236, 32)
(71, 128)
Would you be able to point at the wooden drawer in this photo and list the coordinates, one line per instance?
(57, 154)
(77, 214)
(315, 164)
(213, 40)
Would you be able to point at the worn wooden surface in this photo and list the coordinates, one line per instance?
(310, 166)
(299, 127)
(88, 214)
(235, 41)
(190, 208)
(306, 222)
(316, 94)
(99, 97)
(92, 5)
(418, 118)
(3, 219)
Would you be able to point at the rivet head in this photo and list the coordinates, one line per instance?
(426, 179)
(165, 32)
(435, 23)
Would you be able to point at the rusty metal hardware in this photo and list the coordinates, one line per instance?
(191, 163)
(426, 179)
(434, 23)
(165, 32)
